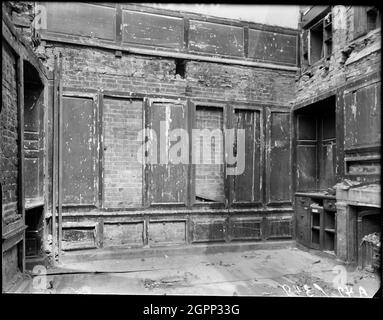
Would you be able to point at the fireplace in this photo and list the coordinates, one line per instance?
(358, 215)
(368, 230)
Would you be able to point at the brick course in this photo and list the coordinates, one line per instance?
(9, 155)
(99, 69)
(122, 171)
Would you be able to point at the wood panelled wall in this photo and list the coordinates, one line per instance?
(117, 201)
(128, 25)
(126, 183)
(115, 92)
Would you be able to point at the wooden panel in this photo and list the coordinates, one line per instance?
(152, 29)
(306, 167)
(306, 127)
(279, 228)
(32, 109)
(314, 14)
(168, 181)
(302, 219)
(328, 126)
(359, 21)
(32, 177)
(216, 38)
(78, 238)
(273, 47)
(364, 167)
(304, 49)
(327, 165)
(208, 231)
(79, 154)
(81, 19)
(247, 185)
(245, 229)
(33, 141)
(279, 165)
(10, 265)
(316, 43)
(167, 232)
(123, 234)
(362, 117)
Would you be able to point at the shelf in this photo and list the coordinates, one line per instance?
(33, 203)
(317, 195)
(315, 227)
(329, 230)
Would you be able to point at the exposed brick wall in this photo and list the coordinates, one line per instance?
(9, 155)
(98, 68)
(209, 180)
(240, 83)
(122, 171)
(321, 77)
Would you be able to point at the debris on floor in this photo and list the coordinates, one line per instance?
(278, 272)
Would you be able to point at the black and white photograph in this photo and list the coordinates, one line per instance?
(191, 149)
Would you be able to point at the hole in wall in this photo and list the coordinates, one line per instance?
(180, 68)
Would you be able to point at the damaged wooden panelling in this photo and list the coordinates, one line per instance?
(172, 177)
(34, 142)
(167, 232)
(362, 116)
(128, 234)
(247, 186)
(306, 157)
(128, 27)
(245, 229)
(278, 155)
(140, 204)
(273, 47)
(80, 151)
(74, 238)
(81, 19)
(205, 231)
(279, 228)
(216, 38)
(151, 29)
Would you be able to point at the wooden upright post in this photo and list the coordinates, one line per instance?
(54, 160)
(60, 167)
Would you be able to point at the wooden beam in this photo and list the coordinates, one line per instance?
(21, 182)
(101, 148)
(229, 180)
(60, 160)
(314, 15)
(20, 45)
(146, 167)
(54, 160)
